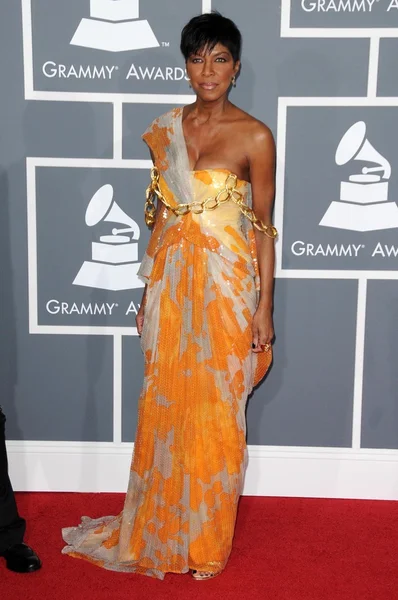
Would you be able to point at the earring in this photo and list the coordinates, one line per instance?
(233, 81)
(189, 83)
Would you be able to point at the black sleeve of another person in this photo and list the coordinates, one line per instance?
(12, 527)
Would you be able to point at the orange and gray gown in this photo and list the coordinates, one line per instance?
(190, 453)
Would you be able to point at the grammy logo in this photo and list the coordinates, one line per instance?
(113, 26)
(364, 204)
(114, 263)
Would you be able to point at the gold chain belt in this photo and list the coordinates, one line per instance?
(230, 192)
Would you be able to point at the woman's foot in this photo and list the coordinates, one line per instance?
(203, 575)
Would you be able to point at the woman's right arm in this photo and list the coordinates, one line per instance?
(139, 319)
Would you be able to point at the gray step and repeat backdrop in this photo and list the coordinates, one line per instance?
(80, 81)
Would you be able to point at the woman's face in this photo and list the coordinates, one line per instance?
(211, 72)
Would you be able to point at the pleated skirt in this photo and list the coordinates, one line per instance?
(190, 456)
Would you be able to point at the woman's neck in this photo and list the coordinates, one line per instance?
(208, 111)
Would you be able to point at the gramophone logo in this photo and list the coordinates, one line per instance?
(363, 204)
(114, 26)
(114, 263)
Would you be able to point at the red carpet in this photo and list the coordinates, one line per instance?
(285, 549)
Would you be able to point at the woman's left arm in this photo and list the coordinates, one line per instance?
(262, 175)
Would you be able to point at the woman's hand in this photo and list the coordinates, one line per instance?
(262, 329)
(139, 319)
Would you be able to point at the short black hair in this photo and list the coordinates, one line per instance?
(204, 32)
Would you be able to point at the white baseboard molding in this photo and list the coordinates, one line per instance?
(272, 471)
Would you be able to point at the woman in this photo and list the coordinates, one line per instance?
(205, 324)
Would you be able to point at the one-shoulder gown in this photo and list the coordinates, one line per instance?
(190, 453)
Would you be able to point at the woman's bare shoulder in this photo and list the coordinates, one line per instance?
(251, 128)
